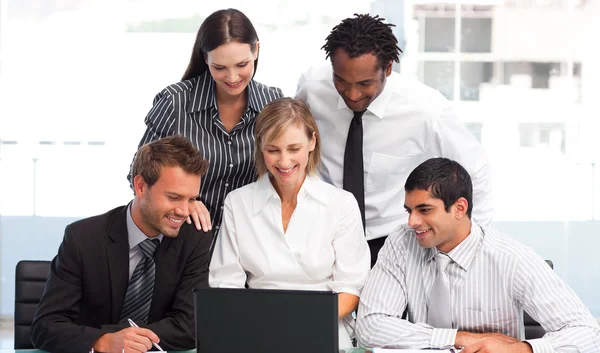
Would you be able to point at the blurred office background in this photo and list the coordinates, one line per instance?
(77, 78)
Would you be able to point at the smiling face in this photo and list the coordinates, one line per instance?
(232, 66)
(163, 207)
(434, 227)
(358, 80)
(286, 157)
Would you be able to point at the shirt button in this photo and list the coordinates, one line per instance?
(231, 166)
(226, 184)
(229, 142)
(217, 227)
(221, 207)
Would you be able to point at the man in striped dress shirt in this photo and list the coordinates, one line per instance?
(490, 280)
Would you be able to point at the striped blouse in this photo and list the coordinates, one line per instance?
(492, 280)
(189, 108)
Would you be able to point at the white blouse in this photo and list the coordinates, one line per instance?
(324, 247)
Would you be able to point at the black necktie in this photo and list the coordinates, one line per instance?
(141, 285)
(354, 171)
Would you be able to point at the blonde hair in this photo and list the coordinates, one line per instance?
(274, 119)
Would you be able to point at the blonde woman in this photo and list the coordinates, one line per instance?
(290, 229)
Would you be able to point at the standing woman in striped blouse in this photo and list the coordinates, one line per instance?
(215, 106)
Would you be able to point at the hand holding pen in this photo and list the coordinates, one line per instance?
(131, 339)
(133, 324)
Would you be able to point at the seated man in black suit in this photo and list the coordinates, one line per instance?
(138, 262)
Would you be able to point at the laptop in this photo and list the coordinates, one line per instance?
(265, 321)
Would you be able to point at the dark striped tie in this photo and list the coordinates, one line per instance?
(141, 285)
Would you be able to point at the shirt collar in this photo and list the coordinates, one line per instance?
(464, 253)
(134, 234)
(312, 187)
(203, 95)
(379, 105)
(315, 188)
(254, 101)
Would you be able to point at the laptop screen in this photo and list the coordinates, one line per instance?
(265, 321)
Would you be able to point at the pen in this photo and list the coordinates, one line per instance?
(133, 324)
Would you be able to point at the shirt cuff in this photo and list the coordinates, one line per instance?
(443, 338)
(540, 345)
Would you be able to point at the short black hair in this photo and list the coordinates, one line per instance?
(445, 179)
(363, 34)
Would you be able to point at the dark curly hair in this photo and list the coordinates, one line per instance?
(363, 34)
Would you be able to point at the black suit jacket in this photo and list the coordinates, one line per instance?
(88, 280)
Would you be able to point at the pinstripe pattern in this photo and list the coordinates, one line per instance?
(141, 285)
(492, 280)
(189, 108)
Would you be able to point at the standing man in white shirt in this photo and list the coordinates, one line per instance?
(378, 126)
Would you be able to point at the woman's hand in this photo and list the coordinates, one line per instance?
(201, 217)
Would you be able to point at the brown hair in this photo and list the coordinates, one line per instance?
(172, 151)
(220, 27)
(274, 119)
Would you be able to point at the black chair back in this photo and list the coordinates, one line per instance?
(30, 281)
(533, 329)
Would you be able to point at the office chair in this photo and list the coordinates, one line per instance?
(30, 281)
(532, 328)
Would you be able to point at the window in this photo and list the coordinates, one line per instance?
(475, 129)
(476, 35)
(543, 135)
(532, 74)
(439, 34)
(473, 75)
(439, 75)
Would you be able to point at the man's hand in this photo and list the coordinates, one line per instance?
(129, 340)
(200, 216)
(490, 343)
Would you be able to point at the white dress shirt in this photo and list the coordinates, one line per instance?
(405, 125)
(493, 278)
(323, 247)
